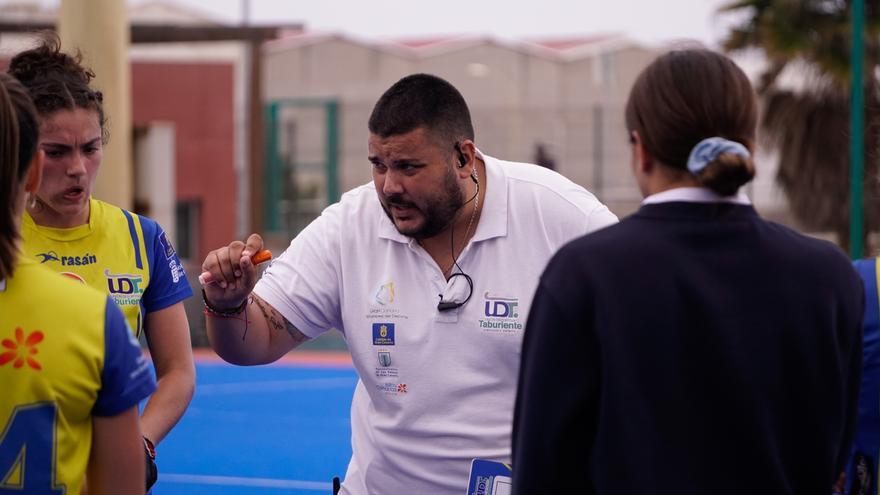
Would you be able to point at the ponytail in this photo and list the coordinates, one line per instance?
(18, 143)
(8, 182)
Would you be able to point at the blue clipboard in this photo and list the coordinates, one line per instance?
(489, 478)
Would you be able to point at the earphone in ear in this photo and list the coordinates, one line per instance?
(462, 161)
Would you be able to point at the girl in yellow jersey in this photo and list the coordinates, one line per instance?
(118, 252)
(71, 374)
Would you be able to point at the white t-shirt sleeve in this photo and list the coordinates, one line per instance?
(595, 214)
(303, 283)
(600, 217)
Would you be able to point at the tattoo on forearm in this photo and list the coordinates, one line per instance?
(278, 322)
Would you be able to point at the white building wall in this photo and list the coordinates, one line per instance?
(571, 102)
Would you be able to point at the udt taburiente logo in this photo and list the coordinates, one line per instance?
(501, 307)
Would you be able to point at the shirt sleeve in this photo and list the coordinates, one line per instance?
(126, 378)
(168, 282)
(600, 217)
(303, 284)
(573, 213)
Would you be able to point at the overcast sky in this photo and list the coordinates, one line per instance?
(649, 21)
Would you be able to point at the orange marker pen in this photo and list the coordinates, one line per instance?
(261, 257)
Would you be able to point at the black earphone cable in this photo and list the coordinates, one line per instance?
(445, 305)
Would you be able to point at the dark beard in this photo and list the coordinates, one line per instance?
(438, 212)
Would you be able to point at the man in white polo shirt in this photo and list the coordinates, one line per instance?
(429, 272)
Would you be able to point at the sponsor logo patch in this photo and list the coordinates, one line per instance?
(383, 334)
(501, 315)
(79, 260)
(384, 359)
(125, 289)
(383, 302)
(166, 246)
(385, 293)
(48, 256)
(386, 368)
(392, 388)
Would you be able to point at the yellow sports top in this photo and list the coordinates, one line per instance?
(124, 255)
(66, 354)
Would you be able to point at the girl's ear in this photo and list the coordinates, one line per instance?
(35, 173)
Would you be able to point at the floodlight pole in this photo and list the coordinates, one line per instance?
(856, 140)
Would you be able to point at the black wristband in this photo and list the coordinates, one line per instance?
(223, 312)
(150, 469)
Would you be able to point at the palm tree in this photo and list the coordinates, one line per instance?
(809, 125)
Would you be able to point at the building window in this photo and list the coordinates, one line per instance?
(188, 216)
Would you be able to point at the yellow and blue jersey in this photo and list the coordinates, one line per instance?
(66, 355)
(862, 471)
(118, 252)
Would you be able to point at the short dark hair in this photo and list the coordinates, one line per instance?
(56, 80)
(686, 96)
(422, 100)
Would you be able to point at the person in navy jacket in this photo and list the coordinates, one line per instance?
(694, 347)
(861, 472)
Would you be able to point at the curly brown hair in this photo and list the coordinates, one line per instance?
(56, 80)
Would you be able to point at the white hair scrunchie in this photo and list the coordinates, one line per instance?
(708, 150)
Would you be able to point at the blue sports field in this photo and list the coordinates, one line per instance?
(281, 428)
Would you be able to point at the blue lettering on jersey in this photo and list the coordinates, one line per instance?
(86, 259)
(83, 260)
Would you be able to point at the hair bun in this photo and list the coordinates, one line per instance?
(727, 173)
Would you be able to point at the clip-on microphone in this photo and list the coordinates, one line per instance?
(446, 305)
